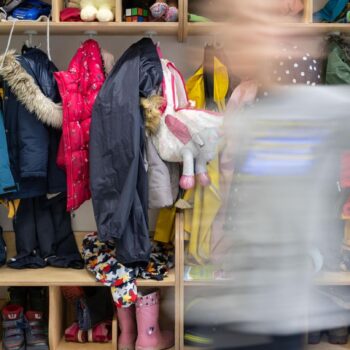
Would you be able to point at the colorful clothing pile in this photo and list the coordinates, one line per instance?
(100, 259)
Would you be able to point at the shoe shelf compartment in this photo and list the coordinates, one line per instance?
(61, 315)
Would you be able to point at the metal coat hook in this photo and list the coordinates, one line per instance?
(150, 34)
(91, 33)
(30, 33)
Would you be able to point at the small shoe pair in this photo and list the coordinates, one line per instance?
(101, 333)
(139, 329)
(337, 336)
(21, 332)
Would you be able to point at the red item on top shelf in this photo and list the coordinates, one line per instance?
(70, 15)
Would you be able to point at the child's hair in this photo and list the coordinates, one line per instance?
(152, 107)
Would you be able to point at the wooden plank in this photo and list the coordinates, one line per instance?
(115, 333)
(57, 6)
(78, 28)
(178, 300)
(324, 345)
(308, 11)
(50, 276)
(63, 345)
(118, 11)
(55, 317)
(181, 248)
(180, 33)
(185, 20)
(338, 278)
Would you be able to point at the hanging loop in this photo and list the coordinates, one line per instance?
(8, 43)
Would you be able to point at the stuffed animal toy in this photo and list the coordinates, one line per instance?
(181, 133)
(163, 10)
(102, 10)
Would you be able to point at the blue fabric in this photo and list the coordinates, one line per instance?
(32, 145)
(330, 11)
(7, 184)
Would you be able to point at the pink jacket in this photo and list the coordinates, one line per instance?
(79, 87)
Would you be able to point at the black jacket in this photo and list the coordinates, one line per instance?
(117, 138)
(32, 119)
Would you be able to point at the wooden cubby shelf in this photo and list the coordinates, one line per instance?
(50, 276)
(339, 278)
(79, 28)
(324, 345)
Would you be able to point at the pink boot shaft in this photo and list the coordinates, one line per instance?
(150, 337)
(127, 326)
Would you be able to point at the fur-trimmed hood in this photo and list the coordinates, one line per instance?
(28, 93)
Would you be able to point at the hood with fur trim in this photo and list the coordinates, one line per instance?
(28, 93)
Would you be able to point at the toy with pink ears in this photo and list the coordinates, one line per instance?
(179, 132)
(166, 10)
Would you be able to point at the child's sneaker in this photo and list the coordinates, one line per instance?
(36, 331)
(13, 326)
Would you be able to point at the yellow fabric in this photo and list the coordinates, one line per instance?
(206, 201)
(11, 206)
(165, 225)
(196, 90)
(199, 220)
(221, 84)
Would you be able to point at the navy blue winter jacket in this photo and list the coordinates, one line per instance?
(32, 119)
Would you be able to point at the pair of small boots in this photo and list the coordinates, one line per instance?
(145, 317)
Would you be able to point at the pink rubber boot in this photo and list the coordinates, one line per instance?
(149, 336)
(127, 326)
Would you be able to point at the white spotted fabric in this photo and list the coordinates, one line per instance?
(290, 70)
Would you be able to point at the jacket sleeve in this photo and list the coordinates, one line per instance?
(115, 135)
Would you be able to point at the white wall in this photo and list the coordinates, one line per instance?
(187, 57)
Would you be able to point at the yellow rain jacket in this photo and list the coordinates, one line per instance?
(205, 201)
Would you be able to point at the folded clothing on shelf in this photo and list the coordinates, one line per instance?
(70, 15)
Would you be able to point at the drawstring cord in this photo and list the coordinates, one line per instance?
(8, 43)
(48, 38)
